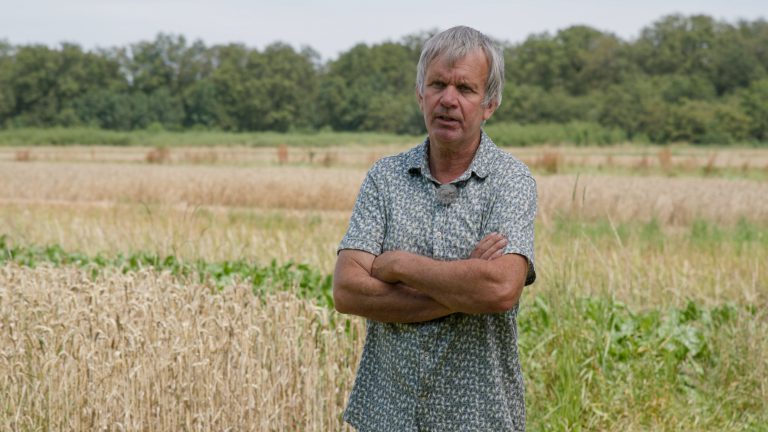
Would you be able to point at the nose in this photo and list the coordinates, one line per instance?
(449, 96)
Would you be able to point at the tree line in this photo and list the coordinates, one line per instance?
(684, 78)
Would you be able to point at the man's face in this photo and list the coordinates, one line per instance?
(452, 102)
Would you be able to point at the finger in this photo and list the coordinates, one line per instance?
(487, 241)
(487, 246)
(493, 248)
(483, 245)
(498, 254)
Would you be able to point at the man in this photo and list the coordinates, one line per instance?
(439, 247)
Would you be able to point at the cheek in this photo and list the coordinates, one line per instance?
(426, 104)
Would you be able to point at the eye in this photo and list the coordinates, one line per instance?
(437, 84)
(465, 89)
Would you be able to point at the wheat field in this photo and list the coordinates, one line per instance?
(621, 156)
(672, 200)
(673, 258)
(147, 352)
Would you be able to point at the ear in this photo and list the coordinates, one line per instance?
(489, 110)
(420, 100)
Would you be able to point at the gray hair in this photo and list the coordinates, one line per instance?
(456, 43)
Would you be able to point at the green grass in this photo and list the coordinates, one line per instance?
(701, 233)
(594, 364)
(573, 133)
(503, 134)
(756, 173)
(296, 277)
(161, 138)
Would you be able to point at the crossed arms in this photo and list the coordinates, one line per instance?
(399, 286)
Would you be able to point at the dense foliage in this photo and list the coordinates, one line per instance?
(684, 78)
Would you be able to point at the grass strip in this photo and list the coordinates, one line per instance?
(162, 138)
(302, 279)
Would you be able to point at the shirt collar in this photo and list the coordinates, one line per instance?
(417, 160)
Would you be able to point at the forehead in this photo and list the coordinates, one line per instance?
(473, 64)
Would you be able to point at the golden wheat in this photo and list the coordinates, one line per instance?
(646, 276)
(674, 201)
(351, 155)
(642, 272)
(266, 187)
(147, 352)
(209, 233)
(629, 156)
(669, 200)
(632, 156)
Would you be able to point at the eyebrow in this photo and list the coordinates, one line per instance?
(460, 82)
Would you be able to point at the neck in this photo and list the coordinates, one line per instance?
(447, 163)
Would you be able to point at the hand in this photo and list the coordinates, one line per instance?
(383, 267)
(490, 247)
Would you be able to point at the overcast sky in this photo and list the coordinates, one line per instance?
(332, 26)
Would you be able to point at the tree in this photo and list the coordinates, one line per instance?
(675, 88)
(537, 62)
(685, 78)
(150, 66)
(7, 96)
(636, 107)
(591, 59)
(201, 105)
(290, 82)
(754, 102)
(736, 61)
(532, 104)
(362, 87)
(107, 109)
(232, 86)
(677, 44)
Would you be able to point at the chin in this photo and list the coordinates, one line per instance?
(446, 135)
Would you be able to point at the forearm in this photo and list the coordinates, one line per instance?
(469, 286)
(357, 292)
(386, 302)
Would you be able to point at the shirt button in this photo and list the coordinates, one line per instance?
(438, 234)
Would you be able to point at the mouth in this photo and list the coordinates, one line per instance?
(446, 118)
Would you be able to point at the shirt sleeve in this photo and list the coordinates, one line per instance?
(368, 223)
(512, 215)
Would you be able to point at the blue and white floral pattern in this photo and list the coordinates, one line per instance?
(460, 372)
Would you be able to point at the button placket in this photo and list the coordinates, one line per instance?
(438, 232)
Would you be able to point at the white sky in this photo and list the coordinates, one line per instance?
(332, 26)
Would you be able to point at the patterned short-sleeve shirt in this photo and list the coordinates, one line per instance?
(460, 372)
